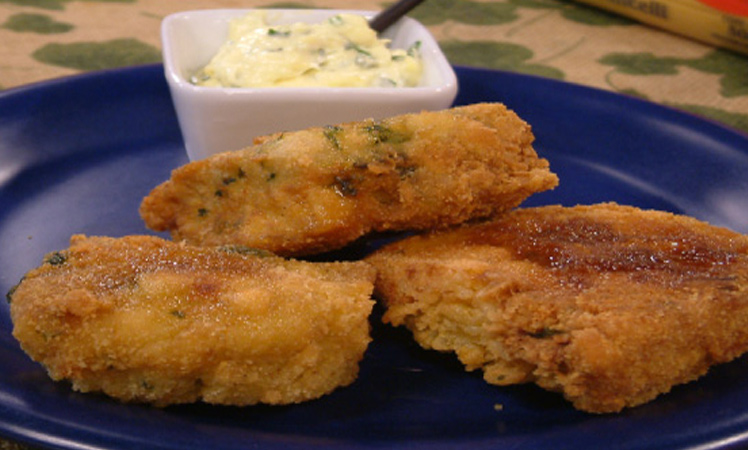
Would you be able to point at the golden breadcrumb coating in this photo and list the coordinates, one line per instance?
(610, 305)
(143, 319)
(318, 189)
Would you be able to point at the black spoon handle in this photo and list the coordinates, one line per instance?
(384, 19)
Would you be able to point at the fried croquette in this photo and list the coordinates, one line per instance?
(609, 305)
(316, 190)
(143, 319)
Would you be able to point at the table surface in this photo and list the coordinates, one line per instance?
(45, 39)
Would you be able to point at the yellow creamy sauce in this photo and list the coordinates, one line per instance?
(340, 52)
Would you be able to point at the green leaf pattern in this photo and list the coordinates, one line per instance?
(36, 23)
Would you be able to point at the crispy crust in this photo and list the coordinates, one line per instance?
(609, 305)
(315, 190)
(146, 320)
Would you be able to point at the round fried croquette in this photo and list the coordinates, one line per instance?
(143, 319)
(610, 305)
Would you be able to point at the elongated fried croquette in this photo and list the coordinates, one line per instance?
(610, 305)
(143, 319)
(316, 190)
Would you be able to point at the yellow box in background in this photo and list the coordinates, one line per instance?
(722, 23)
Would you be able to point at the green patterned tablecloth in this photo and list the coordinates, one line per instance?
(45, 39)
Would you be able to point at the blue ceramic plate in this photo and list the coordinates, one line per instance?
(77, 155)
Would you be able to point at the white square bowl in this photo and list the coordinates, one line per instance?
(214, 120)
